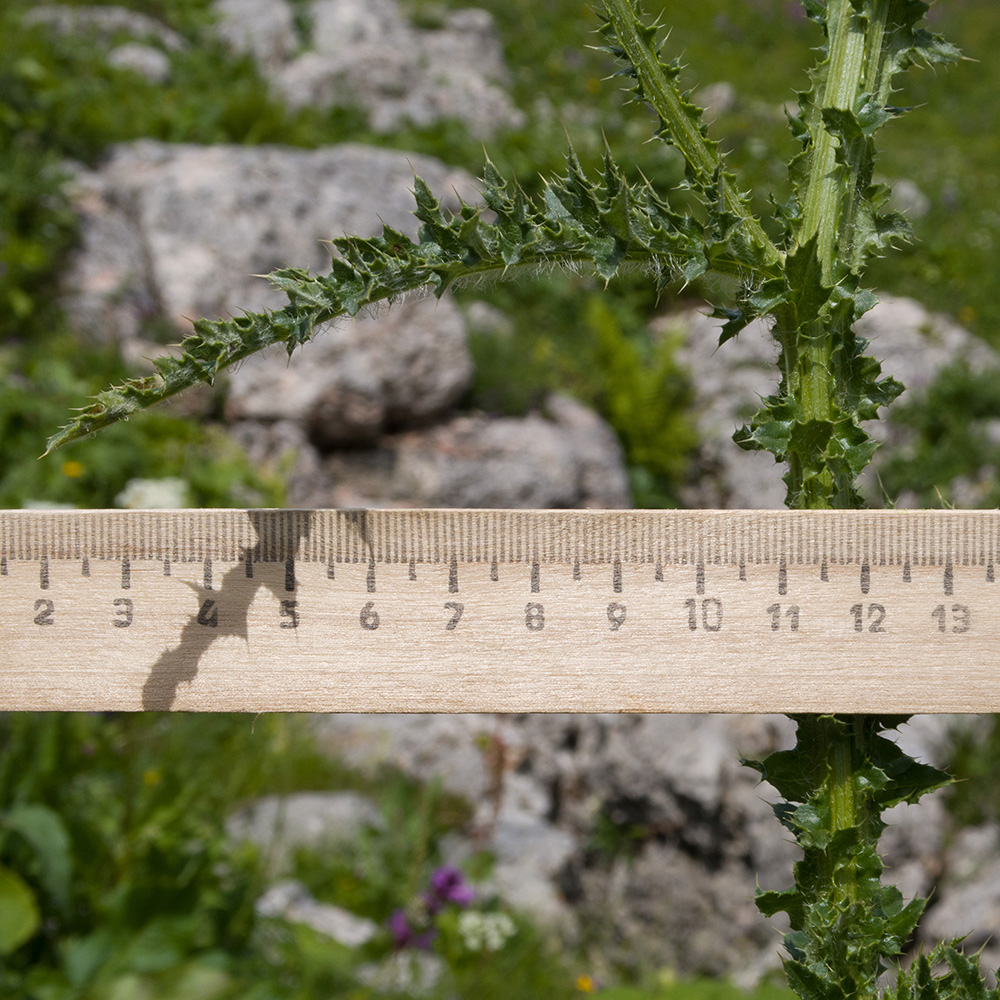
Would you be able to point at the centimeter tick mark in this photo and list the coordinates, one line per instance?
(166, 567)
(494, 571)
(866, 578)
(658, 573)
(85, 567)
(248, 563)
(743, 571)
(330, 569)
(453, 576)
(907, 578)
(536, 574)
(3, 565)
(782, 577)
(412, 570)
(43, 573)
(370, 581)
(989, 572)
(126, 573)
(949, 579)
(699, 578)
(289, 574)
(576, 570)
(207, 572)
(616, 576)
(824, 572)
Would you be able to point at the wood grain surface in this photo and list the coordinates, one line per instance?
(500, 611)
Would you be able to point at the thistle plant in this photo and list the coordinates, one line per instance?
(802, 269)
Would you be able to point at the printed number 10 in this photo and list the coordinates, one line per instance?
(711, 614)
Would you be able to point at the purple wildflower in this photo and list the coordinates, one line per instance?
(448, 885)
(404, 936)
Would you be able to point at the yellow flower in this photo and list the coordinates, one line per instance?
(586, 984)
(151, 777)
(72, 469)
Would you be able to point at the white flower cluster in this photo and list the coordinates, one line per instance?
(485, 931)
(153, 494)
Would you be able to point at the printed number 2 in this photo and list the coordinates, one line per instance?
(44, 610)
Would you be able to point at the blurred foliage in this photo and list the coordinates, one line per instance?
(123, 854)
(117, 881)
(954, 454)
(36, 389)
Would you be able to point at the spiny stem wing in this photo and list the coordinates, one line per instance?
(576, 221)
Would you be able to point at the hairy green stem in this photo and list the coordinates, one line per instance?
(684, 132)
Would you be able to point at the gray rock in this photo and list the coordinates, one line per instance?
(175, 232)
(967, 900)
(717, 98)
(364, 52)
(909, 199)
(280, 824)
(643, 833)
(664, 909)
(361, 378)
(282, 449)
(147, 61)
(913, 344)
(573, 460)
(290, 900)
(104, 24)
(262, 29)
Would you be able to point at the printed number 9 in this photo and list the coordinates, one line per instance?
(616, 616)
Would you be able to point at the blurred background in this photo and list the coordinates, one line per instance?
(154, 157)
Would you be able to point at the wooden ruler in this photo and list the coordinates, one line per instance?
(500, 611)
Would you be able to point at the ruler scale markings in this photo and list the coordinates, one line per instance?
(699, 578)
(289, 574)
(656, 664)
(43, 573)
(453, 575)
(536, 577)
